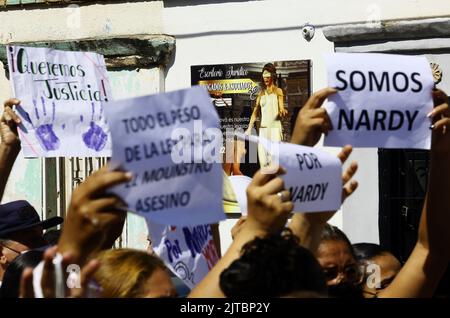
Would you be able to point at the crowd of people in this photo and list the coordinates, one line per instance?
(271, 254)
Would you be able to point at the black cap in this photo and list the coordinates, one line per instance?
(20, 215)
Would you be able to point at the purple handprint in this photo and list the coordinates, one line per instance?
(95, 138)
(43, 130)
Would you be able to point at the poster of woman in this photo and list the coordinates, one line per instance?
(254, 98)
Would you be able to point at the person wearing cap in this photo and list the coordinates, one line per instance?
(21, 230)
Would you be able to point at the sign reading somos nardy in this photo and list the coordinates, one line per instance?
(382, 100)
(62, 96)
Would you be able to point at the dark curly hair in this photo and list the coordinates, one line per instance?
(332, 233)
(273, 266)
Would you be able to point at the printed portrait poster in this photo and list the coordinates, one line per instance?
(268, 95)
(62, 94)
(383, 107)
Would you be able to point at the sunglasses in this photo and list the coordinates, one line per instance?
(351, 273)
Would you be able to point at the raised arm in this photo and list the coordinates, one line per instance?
(428, 261)
(312, 120)
(267, 213)
(10, 143)
(95, 218)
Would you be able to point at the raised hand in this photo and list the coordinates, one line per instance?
(427, 263)
(268, 201)
(10, 143)
(95, 218)
(269, 206)
(312, 120)
(8, 124)
(440, 117)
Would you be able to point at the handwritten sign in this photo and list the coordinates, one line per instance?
(189, 252)
(314, 177)
(382, 101)
(62, 99)
(171, 143)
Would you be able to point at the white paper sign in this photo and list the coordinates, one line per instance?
(314, 177)
(62, 99)
(382, 101)
(240, 185)
(189, 252)
(170, 186)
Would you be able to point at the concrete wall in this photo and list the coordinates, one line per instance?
(74, 22)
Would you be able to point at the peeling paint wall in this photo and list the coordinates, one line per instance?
(75, 22)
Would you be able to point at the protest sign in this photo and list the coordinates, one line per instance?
(171, 143)
(382, 100)
(62, 96)
(189, 252)
(314, 177)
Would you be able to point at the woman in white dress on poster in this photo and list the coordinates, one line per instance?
(269, 109)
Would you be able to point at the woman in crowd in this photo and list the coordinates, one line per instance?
(127, 273)
(340, 267)
(379, 267)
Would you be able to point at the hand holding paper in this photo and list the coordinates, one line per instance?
(312, 120)
(308, 227)
(8, 124)
(313, 176)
